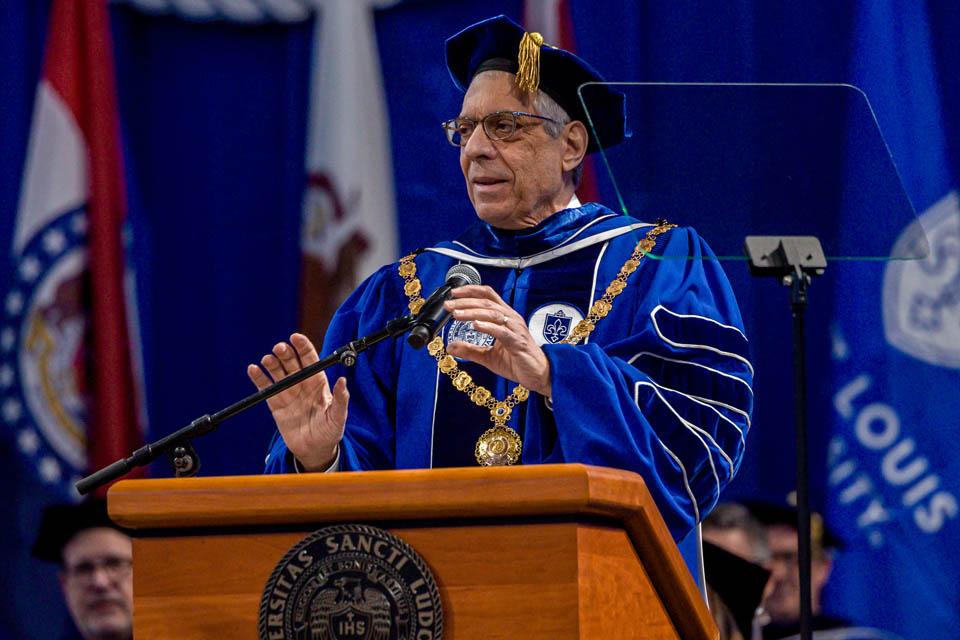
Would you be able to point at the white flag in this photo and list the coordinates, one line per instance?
(349, 217)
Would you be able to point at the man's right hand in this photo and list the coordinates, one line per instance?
(309, 415)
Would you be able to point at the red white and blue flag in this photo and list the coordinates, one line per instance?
(67, 389)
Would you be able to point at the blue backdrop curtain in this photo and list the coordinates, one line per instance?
(214, 124)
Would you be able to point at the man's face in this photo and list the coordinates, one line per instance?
(513, 183)
(98, 583)
(782, 597)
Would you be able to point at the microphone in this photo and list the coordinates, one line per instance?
(434, 315)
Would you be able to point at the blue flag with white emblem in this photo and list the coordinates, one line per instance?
(893, 465)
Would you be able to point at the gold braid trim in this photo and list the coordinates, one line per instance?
(500, 410)
(602, 307)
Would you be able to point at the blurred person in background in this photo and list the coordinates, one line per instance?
(732, 527)
(735, 556)
(96, 561)
(781, 603)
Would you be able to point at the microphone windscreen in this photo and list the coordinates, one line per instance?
(465, 272)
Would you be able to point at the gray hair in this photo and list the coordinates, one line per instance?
(732, 515)
(546, 106)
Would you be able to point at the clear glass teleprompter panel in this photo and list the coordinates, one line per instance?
(737, 160)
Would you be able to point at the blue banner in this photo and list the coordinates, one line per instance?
(892, 467)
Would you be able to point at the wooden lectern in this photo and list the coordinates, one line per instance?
(551, 551)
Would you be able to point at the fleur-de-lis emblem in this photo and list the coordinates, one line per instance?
(556, 327)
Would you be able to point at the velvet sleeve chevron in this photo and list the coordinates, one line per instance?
(664, 389)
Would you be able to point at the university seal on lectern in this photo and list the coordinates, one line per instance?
(351, 582)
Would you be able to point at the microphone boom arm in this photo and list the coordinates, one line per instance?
(177, 445)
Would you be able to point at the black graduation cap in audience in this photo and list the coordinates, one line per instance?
(501, 44)
(738, 582)
(61, 522)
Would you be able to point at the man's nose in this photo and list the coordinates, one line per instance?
(779, 569)
(479, 145)
(100, 578)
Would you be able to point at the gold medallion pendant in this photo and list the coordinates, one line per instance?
(500, 445)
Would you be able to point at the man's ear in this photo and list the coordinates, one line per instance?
(827, 563)
(575, 139)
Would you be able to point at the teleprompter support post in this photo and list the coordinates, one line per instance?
(793, 261)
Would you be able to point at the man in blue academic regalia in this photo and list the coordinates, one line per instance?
(577, 348)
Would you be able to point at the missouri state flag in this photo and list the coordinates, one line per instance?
(67, 392)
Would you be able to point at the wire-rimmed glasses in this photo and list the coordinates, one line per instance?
(498, 125)
(115, 567)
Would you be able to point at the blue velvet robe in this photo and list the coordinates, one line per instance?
(661, 387)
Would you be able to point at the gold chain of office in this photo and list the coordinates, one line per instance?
(501, 445)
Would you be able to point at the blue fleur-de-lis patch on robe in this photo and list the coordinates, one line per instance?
(556, 327)
(552, 323)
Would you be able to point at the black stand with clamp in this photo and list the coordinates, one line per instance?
(794, 260)
(178, 446)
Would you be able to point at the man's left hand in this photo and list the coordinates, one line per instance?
(515, 355)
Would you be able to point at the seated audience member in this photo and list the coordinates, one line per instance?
(733, 528)
(781, 603)
(735, 552)
(95, 560)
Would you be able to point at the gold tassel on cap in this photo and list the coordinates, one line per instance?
(528, 75)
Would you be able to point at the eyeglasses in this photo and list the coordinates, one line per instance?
(498, 125)
(114, 567)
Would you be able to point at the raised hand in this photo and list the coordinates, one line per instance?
(515, 355)
(309, 415)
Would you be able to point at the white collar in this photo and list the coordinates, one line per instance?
(568, 246)
(522, 262)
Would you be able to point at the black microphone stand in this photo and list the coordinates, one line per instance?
(178, 446)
